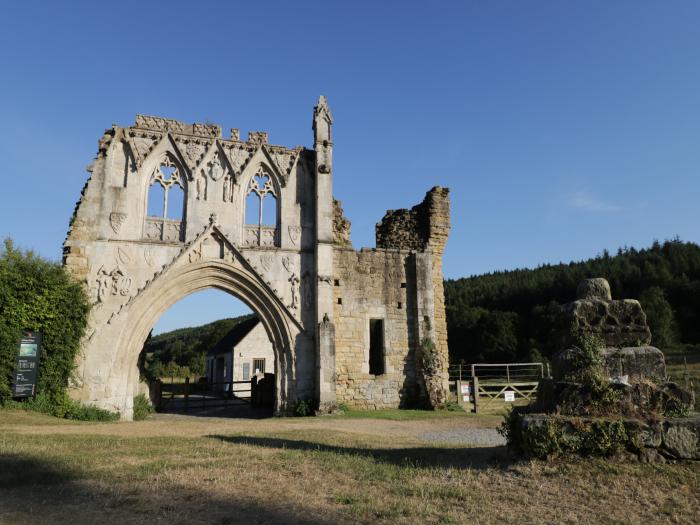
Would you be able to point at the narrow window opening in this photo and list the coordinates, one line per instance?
(337, 282)
(340, 300)
(252, 208)
(376, 346)
(261, 211)
(269, 210)
(403, 285)
(400, 305)
(176, 202)
(156, 200)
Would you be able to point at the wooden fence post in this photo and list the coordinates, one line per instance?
(187, 392)
(475, 387)
(158, 393)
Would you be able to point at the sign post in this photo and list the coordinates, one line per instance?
(27, 365)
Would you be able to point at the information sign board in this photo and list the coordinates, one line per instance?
(27, 364)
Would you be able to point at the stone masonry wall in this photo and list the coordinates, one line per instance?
(371, 284)
(425, 227)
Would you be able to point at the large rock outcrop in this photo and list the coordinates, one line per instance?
(609, 392)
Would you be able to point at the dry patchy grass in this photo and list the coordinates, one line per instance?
(311, 470)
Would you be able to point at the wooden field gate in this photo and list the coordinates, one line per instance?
(484, 384)
(189, 395)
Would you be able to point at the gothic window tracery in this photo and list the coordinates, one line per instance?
(261, 210)
(166, 202)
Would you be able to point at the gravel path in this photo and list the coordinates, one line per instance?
(478, 437)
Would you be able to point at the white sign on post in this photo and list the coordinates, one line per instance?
(509, 396)
(465, 398)
(466, 389)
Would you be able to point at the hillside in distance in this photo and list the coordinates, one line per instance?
(507, 316)
(185, 347)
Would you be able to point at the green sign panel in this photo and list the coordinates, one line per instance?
(27, 365)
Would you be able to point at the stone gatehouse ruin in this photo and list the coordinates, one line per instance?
(172, 208)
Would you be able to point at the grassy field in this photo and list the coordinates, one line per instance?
(326, 470)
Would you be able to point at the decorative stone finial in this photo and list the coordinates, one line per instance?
(322, 108)
(597, 288)
(213, 218)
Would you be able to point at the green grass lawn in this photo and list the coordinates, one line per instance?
(324, 470)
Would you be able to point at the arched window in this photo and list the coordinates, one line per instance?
(166, 203)
(261, 210)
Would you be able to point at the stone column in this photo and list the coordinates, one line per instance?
(325, 337)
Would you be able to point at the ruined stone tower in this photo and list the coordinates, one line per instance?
(258, 221)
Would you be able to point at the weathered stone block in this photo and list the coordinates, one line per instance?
(638, 362)
(616, 323)
(543, 435)
(681, 438)
(597, 288)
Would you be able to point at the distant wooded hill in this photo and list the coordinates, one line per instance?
(507, 316)
(182, 352)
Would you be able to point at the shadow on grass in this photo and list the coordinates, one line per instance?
(40, 492)
(458, 457)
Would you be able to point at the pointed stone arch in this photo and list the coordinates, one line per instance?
(211, 261)
(185, 280)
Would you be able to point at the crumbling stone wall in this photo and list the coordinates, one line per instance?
(371, 284)
(401, 282)
(425, 228)
(341, 225)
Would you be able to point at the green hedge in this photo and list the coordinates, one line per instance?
(37, 294)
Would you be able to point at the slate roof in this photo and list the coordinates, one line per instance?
(233, 337)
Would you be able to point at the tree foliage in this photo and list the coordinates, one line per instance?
(37, 294)
(506, 316)
(182, 352)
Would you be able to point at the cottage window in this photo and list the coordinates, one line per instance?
(259, 366)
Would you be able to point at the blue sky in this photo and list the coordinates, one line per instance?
(562, 128)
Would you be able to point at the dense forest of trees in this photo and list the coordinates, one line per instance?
(508, 316)
(182, 352)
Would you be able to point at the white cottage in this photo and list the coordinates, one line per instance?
(244, 351)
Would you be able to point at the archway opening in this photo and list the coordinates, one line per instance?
(210, 355)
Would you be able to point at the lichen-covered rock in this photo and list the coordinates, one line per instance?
(608, 395)
(681, 437)
(597, 288)
(636, 362)
(546, 435)
(616, 323)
